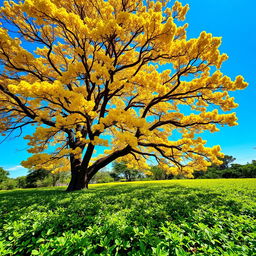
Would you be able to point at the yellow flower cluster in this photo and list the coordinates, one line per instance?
(99, 71)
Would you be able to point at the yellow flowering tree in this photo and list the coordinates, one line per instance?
(119, 74)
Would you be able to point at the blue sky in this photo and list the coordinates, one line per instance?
(235, 22)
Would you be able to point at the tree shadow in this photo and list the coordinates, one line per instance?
(126, 193)
(114, 211)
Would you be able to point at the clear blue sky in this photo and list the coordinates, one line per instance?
(235, 22)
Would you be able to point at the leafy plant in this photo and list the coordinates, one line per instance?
(176, 217)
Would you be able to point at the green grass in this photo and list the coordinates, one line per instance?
(179, 217)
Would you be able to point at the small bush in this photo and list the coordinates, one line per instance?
(8, 184)
(102, 177)
(46, 182)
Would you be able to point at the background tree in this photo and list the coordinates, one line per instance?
(46, 178)
(249, 170)
(228, 169)
(226, 161)
(216, 170)
(122, 171)
(241, 171)
(102, 177)
(21, 182)
(157, 173)
(34, 176)
(5, 181)
(83, 69)
(3, 174)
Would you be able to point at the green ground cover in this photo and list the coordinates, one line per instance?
(177, 217)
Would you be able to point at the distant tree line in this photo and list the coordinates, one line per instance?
(120, 172)
(34, 179)
(228, 169)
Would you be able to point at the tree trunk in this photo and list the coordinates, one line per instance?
(79, 176)
(79, 180)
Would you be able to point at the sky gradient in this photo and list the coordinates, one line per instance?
(232, 20)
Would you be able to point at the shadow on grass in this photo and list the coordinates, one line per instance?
(170, 197)
(131, 214)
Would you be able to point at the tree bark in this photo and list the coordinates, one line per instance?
(79, 180)
(79, 176)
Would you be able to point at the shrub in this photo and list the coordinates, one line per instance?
(8, 184)
(102, 177)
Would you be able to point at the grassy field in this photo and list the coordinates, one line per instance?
(177, 217)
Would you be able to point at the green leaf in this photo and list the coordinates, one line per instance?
(35, 252)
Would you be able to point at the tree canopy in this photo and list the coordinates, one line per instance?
(120, 74)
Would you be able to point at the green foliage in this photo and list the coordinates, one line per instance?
(120, 170)
(102, 177)
(244, 171)
(159, 174)
(229, 170)
(8, 184)
(3, 174)
(5, 182)
(21, 182)
(226, 161)
(177, 217)
(53, 179)
(36, 178)
(44, 178)
(36, 175)
(61, 178)
(46, 182)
